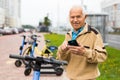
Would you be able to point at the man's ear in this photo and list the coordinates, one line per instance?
(85, 16)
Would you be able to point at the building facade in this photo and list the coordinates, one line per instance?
(2, 17)
(10, 13)
(112, 7)
(99, 21)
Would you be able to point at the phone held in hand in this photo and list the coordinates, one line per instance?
(73, 43)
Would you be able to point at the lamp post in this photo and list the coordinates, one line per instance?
(82, 3)
(58, 11)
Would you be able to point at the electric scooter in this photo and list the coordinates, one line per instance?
(18, 62)
(30, 64)
(38, 62)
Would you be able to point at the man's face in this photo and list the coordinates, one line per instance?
(77, 18)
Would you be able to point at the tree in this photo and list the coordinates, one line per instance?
(47, 21)
(44, 26)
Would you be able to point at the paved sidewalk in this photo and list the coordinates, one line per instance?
(9, 44)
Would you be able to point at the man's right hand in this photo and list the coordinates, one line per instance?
(64, 46)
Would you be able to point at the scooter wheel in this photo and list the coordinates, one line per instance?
(18, 63)
(27, 71)
(59, 71)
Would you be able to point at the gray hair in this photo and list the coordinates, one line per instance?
(79, 6)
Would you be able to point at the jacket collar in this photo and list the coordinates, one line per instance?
(86, 29)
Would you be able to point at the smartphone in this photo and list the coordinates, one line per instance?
(73, 43)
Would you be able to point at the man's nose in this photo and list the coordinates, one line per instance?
(75, 19)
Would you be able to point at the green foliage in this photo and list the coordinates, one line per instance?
(110, 69)
(47, 21)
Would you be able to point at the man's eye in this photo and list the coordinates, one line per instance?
(78, 16)
(72, 16)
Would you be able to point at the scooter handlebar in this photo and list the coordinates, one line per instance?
(21, 57)
(40, 59)
(16, 56)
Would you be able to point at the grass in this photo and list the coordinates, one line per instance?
(116, 33)
(55, 39)
(110, 69)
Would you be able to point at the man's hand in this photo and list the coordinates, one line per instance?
(78, 50)
(64, 46)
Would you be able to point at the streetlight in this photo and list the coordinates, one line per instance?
(58, 11)
(82, 3)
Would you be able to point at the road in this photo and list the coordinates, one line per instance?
(113, 40)
(9, 44)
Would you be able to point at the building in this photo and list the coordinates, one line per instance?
(2, 17)
(10, 13)
(99, 21)
(112, 7)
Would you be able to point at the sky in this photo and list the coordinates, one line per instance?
(34, 11)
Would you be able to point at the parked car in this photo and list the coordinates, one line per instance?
(20, 30)
(1, 31)
(15, 30)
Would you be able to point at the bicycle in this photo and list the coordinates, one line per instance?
(38, 62)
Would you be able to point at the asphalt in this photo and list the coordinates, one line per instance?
(10, 44)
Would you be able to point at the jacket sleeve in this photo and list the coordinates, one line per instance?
(98, 53)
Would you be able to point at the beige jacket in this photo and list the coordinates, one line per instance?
(86, 66)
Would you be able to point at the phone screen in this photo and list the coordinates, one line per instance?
(73, 43)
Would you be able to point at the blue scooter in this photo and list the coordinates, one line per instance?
(18, 62)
